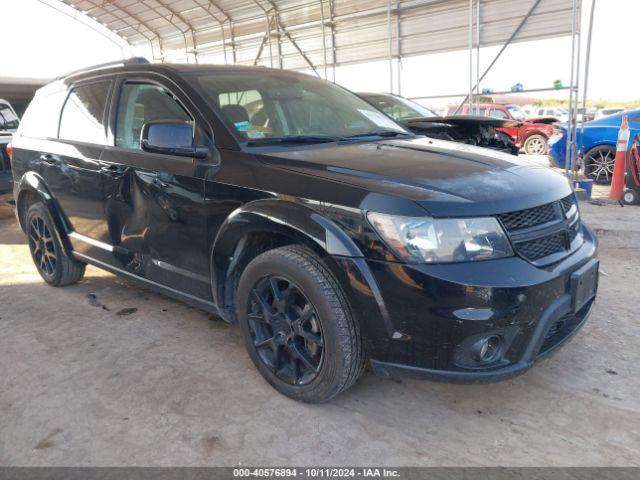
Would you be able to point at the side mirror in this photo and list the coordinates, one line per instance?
(170, 138)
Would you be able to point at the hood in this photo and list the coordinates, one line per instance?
(465, 120)
(445, 178)
(544, 120)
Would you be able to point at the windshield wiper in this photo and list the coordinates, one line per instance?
(293, 139)
(379, 133)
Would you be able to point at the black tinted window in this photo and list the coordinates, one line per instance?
(41, 118)
(82, 117)
(8, 119)
(142, 103)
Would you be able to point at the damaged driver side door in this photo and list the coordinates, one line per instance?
(154, 199)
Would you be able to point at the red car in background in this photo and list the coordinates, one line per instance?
(531, 135)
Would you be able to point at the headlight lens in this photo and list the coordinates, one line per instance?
(431, 240)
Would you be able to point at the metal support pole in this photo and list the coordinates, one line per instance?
(576, 96)
(333, 41)
(399, 47)
(224, 44)
(586, 75)
(470, 28)
(233, 42)
(324, 40)
(478, 57)
(568, 161)
(504, 47)
(269, 37)
(390, 41)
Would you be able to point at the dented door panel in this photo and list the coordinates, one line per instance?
(156, 219)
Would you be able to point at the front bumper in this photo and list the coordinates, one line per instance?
(536, 350)
(422, 321)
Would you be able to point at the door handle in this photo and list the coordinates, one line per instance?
(50, 159)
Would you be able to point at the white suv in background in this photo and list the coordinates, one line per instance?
(560, 113)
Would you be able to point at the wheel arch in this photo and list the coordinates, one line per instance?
(263, 225)
(31, 189)
(601, 143)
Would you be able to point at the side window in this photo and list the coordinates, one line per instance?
(497, 113)
(141, 103)
(41, 118)
(82, 118)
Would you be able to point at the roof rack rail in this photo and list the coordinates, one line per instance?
(123, 62)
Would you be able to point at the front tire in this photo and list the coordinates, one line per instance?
(535, 145)
(297, 325)
(599, 163)
(53, 264)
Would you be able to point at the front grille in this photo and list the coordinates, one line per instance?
(542, 247)
(529, 217)
(551, 219)
(567, 202)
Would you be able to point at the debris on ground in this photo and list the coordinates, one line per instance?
(127, 311)
(93, 300)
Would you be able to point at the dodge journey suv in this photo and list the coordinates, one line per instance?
(336, 238)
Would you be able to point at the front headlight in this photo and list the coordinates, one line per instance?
(432, 240)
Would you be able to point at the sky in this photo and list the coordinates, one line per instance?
(47, 43)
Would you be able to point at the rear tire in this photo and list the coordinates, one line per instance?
(52, 262)
(598, 164)
(297, 325)
(535, 145)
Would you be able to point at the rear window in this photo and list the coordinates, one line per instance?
(498, 113)
(8, 119)
(41, 118)
(82, 118)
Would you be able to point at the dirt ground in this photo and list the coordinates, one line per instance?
(85, 382)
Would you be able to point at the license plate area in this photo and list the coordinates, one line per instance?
(584, 284)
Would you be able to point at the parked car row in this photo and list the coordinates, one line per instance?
(472, 130)
(331, 233)
(597, 145)
(529, 134)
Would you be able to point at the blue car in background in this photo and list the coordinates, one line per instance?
(599, 144)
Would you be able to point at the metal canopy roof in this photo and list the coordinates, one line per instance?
(300, 34)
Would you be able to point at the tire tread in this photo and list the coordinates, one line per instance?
(350, 339)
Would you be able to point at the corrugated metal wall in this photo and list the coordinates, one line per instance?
(355, 30)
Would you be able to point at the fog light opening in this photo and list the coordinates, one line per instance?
(488, 348)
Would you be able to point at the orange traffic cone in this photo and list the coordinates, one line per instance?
(619, 168)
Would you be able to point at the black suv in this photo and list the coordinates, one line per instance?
(334, 236)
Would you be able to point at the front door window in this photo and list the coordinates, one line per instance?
(142, 103)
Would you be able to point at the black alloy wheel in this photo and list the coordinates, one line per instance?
(52, 262)
(285, 329)
(42, 247)
(298, 326)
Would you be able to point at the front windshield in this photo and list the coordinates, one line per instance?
(285, 105)
(517, 112)
(399, 108)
